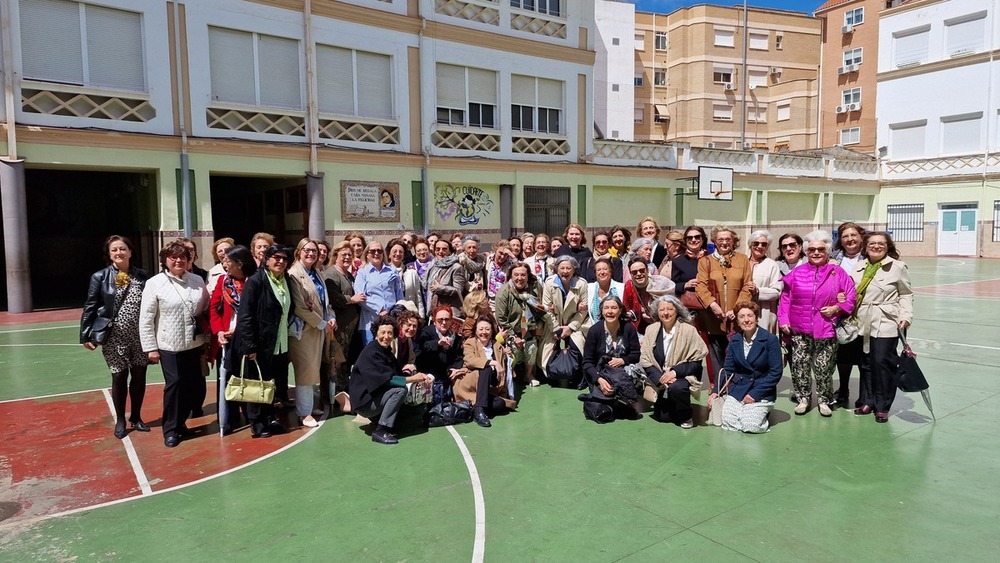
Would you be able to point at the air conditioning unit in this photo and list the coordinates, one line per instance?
(841, 109)
(847, 29)
(710, 145)
(747, 146)
(775, 70)
(729, 87)
(842, 70)
(847, 69)
(854, 107)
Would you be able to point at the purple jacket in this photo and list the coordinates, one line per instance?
(807, 290)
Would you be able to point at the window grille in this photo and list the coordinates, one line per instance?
(906, 222)
(546, 210)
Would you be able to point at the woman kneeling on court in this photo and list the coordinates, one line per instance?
(672, 355)
(610, 362)
(752, 370)
(378, 382)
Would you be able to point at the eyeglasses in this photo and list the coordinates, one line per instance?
(790, 245)
(442, 320)
(279, 258)
(309, 251)
(876, 245)
(375, 251)
(603, 242)
(693, 237)
(759, 244)
(641, 272)
(180, 258)
(816, 250)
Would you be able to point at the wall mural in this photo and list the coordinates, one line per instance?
(466, 205)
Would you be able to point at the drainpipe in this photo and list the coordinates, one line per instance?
(186, 215)
(314, 178)
(426, 71)
(746, 78)
(12, 190)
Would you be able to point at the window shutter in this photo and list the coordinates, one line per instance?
(759, 41)
(231, 65)
(374, 85)
(522, 90)
(550, 93)
(114, 49)
(51, 47)
(280, 84)
(757, 78)
(960, 134)
(334, 80)
(907, 141)
(966, 36)
(482, 86)
(451, 86)
(911, 48)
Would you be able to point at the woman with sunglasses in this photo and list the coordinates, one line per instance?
(602, 249)
(439, 349)
(790, 246)
(380, 282)
(766, 284)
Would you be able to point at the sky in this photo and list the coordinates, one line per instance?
(667, 6)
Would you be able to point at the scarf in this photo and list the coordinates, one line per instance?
(595, 304)
(866, 278)
(231, 290)
(497, 276)
(280, 290)
(421, 267)
(723, 260)
(474, 266)
(446, 262)
(541, 266)
(614, 346)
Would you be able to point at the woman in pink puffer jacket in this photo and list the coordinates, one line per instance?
(815, 296)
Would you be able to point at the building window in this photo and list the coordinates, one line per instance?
(660, 41)
(615, 41)
(640, 41)
(960, 134)
(659, 77)
(615, 87)
(550, 7)
(853, 57)
(722, 75)
(756, 78)
(661, 115)
(466, 97)
(546, 210)
(910, 47)
(759, 41)
(850, 136)
(757, 114)
(784, 112)
(854, 17)
(906, 140)
(724, 37)
(354, 83)
(537, 104)
(905, 222)
(851, 96)
(637, 81)
(778, 40)
(722, 112)
(965, 34)
(82, 44)
(254, 69)
(996, 220)
(639, 114)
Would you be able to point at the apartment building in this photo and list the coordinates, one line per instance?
(849, 65)
(938, 113)
(692, 86)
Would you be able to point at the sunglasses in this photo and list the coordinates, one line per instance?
(693, 237)
(278, 258)
(759, 244)
(790, 245)
(375, 251)
(442, 320)
(816, 250)
(638, 272)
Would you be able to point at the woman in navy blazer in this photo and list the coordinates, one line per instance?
(752, 369)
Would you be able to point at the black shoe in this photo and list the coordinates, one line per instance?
(120, 431)
(481, 419)
(275, 427)
(140, 426)
(185, 432)
(197, 413)
(171, 441)
(384, 438)
(262, 434)
(842, 401)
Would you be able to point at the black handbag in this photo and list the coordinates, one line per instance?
(100, 329)
(448, 413)
(565, 363)
(911, 377)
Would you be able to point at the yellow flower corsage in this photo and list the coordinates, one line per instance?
(121, 279)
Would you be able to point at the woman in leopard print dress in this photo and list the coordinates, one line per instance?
(112, 307)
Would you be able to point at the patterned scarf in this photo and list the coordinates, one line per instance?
(232, 289)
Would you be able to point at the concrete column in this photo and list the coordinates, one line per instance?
(317, 207)
(15, 235)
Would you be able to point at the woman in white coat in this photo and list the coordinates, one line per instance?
(565, 298)
(766, 285)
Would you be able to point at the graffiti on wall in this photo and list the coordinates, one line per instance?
(464, 205)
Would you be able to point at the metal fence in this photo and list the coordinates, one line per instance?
(906, 222)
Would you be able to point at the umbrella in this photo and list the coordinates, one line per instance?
(911, 377)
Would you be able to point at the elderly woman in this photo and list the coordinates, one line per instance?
(358, 246)
(847, 253)
(621, 240)
(497, 266)
(484, 381)
(324, 255)
(516, 246)
(565, 298)
(223, 309)
(765, 285)
(171, 335)
(884, 309)
(423, 259)
(312, 322)
(527, 245)
(476, 305)
(219, 249)
(751, 373)
(790, 246)
(648, 228)
(378, 381)
(540, 262)
(674, 243)
(684, 271)
(260, 343)
(346, 309)
(445, 283)
(408, 276)
(672, 355)
(575, 247)
(731, 274)
(556, 243)
(439, 349)
(815, 296)
(259, 244)
(473, 262)
(610, 360)
(520, 317)
(602, 249)
(603, 287)
(380, 282)
(111, 320)
(641, 289)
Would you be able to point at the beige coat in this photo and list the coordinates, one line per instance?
(564, 312)
(464, 388)
(306, 353)
(887, 301)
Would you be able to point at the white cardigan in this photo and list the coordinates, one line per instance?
(166, 315)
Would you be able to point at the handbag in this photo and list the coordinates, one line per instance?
(419, 393)
(691, 300)
(565, 363)
(448, 413)
(717, 402)
(245, 390)
(911, 377)
(100, 329)
(847, 330)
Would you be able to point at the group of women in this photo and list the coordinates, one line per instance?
(646, 320)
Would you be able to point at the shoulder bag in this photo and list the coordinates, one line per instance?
(847, 329)
(100, 329)
(716, 403)
(244, 390)
(911, 377)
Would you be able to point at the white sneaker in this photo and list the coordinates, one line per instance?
(535, 383)
(824, 410)
(802, 407)
(687, 424)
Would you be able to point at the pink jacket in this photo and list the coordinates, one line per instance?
(807, 290)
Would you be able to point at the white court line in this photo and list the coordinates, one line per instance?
(133, 457)
(955, 344)
(32, 345)
(479, 545)
(37, 329)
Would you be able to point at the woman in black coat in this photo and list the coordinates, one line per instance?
(111, 320)
(439, 349)
(261, 335)
(611, 357)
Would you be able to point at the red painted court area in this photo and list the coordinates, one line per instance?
(61, 454)
(983, 289)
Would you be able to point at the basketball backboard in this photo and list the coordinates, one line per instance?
(715, 183)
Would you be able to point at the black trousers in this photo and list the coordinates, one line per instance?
(879, 373)
(181, 372)
(676, 405)
(271, 368)
(717, 346)
(848, 356)
(488, 378)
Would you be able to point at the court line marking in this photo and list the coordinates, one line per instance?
(28, 345)
(133, 457)
(37, 329)
(955, 344)
(479, 544)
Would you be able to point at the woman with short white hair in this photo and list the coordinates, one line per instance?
(765, 288)
(565, 298)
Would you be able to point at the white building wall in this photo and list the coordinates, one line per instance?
(614, 64)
